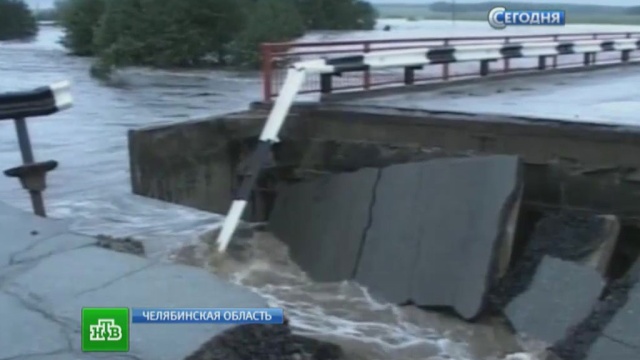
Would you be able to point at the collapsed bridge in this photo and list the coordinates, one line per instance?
(472, 211)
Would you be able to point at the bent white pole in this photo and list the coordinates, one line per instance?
(268, 137)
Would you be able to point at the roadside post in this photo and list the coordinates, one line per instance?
(18, 106)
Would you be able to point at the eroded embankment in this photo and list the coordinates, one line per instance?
(442, 233)
(342, 176)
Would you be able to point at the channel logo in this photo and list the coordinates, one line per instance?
(499, 18)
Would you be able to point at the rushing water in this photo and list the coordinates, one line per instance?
(91, 187)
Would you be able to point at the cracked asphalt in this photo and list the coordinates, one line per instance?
(48, 274)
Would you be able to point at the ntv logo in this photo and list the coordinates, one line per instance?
(499, 17)
(105, 330)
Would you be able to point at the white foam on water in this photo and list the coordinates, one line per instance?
(344, 312)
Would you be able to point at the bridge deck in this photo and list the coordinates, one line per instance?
(609, 96)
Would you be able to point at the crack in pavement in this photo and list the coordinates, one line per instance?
(620, 342)
(367, 227)
(31, 355)
(13, 262)
(116, 279)
(33, 245)
(14, 271)
(32, 306)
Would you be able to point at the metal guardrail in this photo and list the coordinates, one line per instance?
(408, 60)
(18, 106)
(276, 57)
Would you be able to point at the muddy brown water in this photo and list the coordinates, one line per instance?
(345, 313)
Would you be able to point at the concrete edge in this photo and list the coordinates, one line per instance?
(437, 85)
(459, 116)
(227, 116)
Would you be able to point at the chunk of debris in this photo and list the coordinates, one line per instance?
(262, 341)
(440, 230)
(610, 332)
(561, 295)
(568, 235)
(125, 245)
(404, 230)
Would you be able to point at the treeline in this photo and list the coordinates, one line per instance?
(17, 22)
(46, 15)
(634, 10)
(444, 6)
(190, 33)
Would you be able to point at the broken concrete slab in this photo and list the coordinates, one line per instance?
(323, 221)
(589, 338)
(623, 328)
(561, 295)
(389, 254)
(437, 231)
(569, 235)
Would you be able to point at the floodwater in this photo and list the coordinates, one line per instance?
(91, 187)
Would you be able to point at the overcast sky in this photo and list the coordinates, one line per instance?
(49, 3)
(591, 2)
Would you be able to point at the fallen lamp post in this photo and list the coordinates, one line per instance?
(18, 106)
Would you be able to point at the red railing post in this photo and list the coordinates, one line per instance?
(445, 66)
(272, 53)
(267, 62)
(367, 74)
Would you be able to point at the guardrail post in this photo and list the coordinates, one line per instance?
(409, 74)
(507, 64)
(367, 73)
(555, 57)
(594, 55)
(587, 59)
(445, 66)
(626, 55)
(484, 67)
(267, 63)
(18, 106)
(542, 62)
(326, 83)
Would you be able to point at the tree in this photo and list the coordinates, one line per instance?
(79, 19)
(46, 15)
(188, 33)
(17, 22)
(166, 33)
(267, 21)
(337, 14)
(633, 10)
